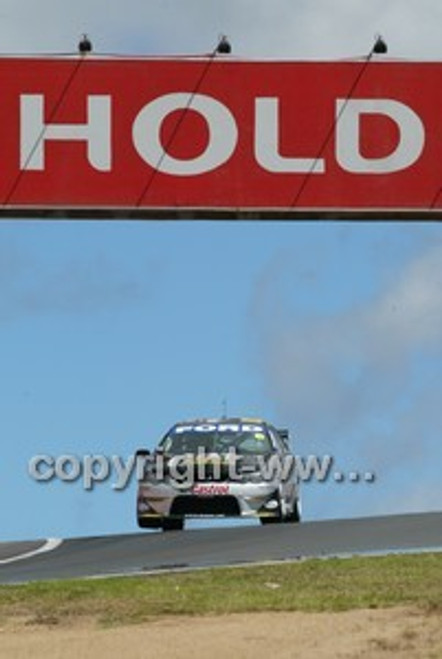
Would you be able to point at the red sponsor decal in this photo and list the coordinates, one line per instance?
(212, 489)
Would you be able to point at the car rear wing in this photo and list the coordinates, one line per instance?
(284, 433)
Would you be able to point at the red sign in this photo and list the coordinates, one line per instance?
(220, 137)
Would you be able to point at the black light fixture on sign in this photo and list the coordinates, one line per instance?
(85, 45)
(380, 47)
(224, 47)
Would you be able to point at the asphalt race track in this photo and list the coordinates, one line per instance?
(154, 551)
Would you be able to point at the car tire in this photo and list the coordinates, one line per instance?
(277, 518)
(146, 523)
(295, 516)
(172, 523)
(273, 519)
(270, 520)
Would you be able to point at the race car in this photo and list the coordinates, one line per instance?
(227, 467)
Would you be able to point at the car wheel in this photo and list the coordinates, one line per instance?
(276, 516)
(272, 519)
(148, 523)
(172, 523)
(294, 516)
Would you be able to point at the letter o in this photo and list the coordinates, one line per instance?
(223, 134)
(67, 468)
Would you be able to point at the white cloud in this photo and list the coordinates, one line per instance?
(409, 314)
(361, 382)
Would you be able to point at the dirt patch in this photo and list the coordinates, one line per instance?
(401, 633)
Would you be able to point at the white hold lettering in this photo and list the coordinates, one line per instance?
(223, 134)
(267, 143)
(411, 136)
(35, 133)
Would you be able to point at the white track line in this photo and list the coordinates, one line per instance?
(49, 545)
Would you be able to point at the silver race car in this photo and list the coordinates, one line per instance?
(236, 467)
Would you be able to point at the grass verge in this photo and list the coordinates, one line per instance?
(311, 585)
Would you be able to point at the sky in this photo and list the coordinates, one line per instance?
(113, 331)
